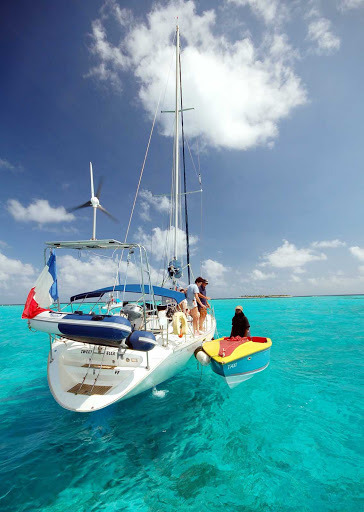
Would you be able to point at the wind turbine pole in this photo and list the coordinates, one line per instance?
(93, 205)
(94, 225)
(92, 182)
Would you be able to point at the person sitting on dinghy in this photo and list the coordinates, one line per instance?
(241, 326)
(192, 300)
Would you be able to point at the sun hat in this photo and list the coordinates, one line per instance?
(239, 307)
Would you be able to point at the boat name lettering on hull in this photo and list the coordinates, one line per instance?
(84, 351)
(232, 366)
(110, 353)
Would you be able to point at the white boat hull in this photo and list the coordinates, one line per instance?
(234, 380)
(112, 375)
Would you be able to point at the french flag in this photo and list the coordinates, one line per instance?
(44, 292)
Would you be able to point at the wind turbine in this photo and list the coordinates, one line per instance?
(95, 203)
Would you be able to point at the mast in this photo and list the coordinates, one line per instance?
(174, 266)
(176, 148)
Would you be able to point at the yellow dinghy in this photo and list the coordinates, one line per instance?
(238, 359)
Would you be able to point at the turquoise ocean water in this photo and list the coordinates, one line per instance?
(289, 439)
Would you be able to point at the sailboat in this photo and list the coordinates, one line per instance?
(113, 343)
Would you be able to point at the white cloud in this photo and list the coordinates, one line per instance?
(357, 252)
(272, 11)
(75, 275)
(5, 164)
(345, 5)
(215, 272)
(161, 204)
(299, 270)
(39, 211)
(91, 272)
(319, 32)
(258, 275)
(85, 274)
(240, 92)
(12, 268)
(288, 255)
(160, 242)
(330, 244)
(338, 283)
(295, 278)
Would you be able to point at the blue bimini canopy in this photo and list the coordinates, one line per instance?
(132, 288)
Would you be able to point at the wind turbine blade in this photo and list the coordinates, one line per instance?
(98, 191)
(84, 205)
(108, 213)
(92, 181)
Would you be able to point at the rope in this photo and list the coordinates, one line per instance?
(137, 190)
(198, 175)
(145, 158)
(184, 179)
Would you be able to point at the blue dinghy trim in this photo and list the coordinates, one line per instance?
(99, 329)
(132, 288)
(141, 340)
(252, 363)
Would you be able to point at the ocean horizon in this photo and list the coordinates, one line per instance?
(246, 297)
(289, 439)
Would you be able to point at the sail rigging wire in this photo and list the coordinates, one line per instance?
(184, 179)
(138, 187)
(198, 174)
(199, 177)
(142, 169)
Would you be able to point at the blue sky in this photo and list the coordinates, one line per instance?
(278, 125)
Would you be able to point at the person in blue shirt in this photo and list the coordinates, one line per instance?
(193, 299)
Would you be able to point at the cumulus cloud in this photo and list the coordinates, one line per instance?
(215, 272)
(39, 211)
(160, 242)
(258, 275)
(338, 283)
(272, 11)
(241, 91)
(295, 278)
(357, 252)
(160, 204)
(329, 244)
(345, 5)
(12, 268)
(6, 165)
(75, 274)
(288, 255)
(91, 272)
(320, 32)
